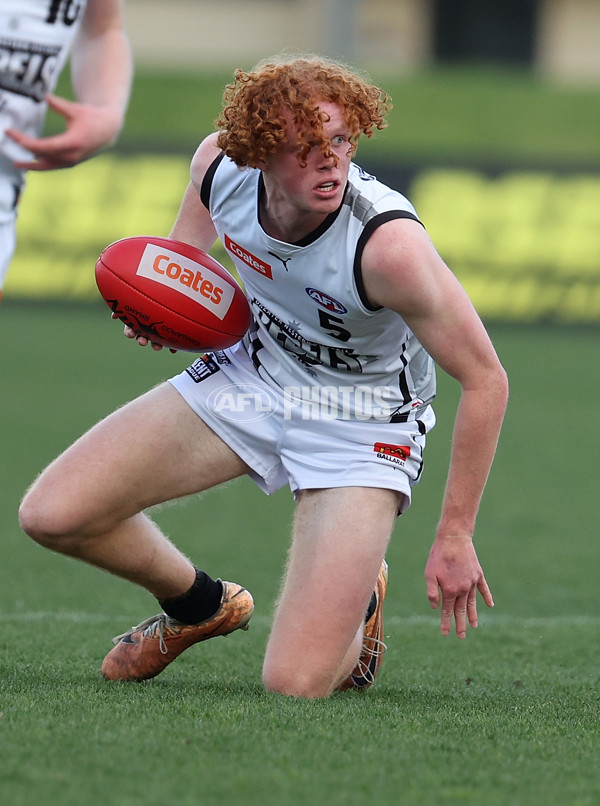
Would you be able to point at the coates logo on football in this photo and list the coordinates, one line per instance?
(186, 276)
(242, 402)
(249, 259)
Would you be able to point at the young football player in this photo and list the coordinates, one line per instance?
(352, 305)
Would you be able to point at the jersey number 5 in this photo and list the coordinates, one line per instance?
(330, 324)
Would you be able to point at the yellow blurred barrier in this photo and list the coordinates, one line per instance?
(526, 245)
(68, 217)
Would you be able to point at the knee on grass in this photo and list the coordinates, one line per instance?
(298, 683)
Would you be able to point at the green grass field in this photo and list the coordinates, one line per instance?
(508, 717)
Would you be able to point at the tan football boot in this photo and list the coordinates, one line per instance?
(144, 651)
(371, 656)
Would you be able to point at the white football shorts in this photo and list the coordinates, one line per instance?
(286, 440)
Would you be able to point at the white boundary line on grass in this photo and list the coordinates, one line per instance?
(485, 620)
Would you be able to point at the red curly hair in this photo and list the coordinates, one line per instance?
(252, 122)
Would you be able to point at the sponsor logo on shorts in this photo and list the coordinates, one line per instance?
(184, 275)
(326, 301)
(397, 454)
(242, 402)
(248, 258)
(202, 368)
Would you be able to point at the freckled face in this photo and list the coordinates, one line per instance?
(317, 189)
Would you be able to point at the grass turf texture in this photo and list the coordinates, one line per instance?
(509, 716)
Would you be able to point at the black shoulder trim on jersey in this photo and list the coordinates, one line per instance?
(208, 180)
(371, 226)
(260, 188)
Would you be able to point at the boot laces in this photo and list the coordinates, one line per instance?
(150, 628)
(372, 648)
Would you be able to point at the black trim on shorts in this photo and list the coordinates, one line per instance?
(371, 226)
(206, 186)
(402, 380)
(422, 431)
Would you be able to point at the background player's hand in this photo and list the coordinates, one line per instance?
(88, 129)
(453, 576)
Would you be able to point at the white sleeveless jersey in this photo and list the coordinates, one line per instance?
(35, 40)
(314, 333)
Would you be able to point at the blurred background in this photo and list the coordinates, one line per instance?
(557, 38)
(494, 136)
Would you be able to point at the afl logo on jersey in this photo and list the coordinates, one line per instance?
(326, 301)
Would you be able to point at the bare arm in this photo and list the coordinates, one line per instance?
(402, 270)
(101, 74)
(193, 224)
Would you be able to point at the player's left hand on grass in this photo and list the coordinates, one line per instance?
(453, 576)
(88, 130)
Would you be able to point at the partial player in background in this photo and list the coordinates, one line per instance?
(36, 38)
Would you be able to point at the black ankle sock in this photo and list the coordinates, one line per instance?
(372, 606)
(197, 604)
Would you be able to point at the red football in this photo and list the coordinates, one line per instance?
(172, 293)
